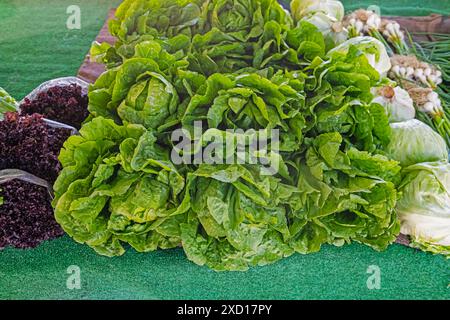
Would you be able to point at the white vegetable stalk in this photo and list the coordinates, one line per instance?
(410, 68)
(392, 32)
(428, 101)
(397, 102)
(362, 22)
(366, 22)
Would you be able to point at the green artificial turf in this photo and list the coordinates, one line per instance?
(35, 46)
(334, 273)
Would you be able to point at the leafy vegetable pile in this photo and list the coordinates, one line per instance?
(232, 64)
(29, 150)
(26, 215)
(66, 104)
(28, 143)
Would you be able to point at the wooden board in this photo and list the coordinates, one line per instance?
(90, 71)
(425, 26)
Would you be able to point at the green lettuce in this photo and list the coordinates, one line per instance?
(251, 101)
(373, 49)
(424, 208)
(414, 142)
(145, 89)
(237, 218)
(118, 186)
(344, 195)
(243, 19)
(219, 36)
(166, 18)
(241, 65)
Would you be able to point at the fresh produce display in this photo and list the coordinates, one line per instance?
(334, 184)
(65, 104)
(223, 36)
(26, 213)
(419, 68)
(351, 161)
(28, 143)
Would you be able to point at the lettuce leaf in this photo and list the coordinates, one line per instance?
(344, 195)
(118, 186)
(237, 218)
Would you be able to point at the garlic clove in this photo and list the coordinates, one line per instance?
(396, 70)
(428, 107)
(403, 71)
(433, 96)
(409, 71)
(418, 73)
(432, 78)
(359, 25)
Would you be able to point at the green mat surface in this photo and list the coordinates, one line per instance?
(35, 46)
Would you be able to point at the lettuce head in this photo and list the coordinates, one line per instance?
(424, 209)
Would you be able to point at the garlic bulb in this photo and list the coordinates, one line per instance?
(362, 22)
(397, 102)
(426, 100)
(410, 68)
(373, 23)
(392, 32)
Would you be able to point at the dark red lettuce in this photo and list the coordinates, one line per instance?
(65, 104)
(26, 215)
(29, 144)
